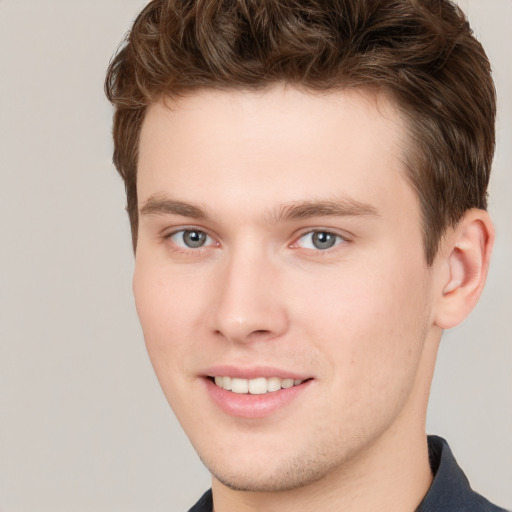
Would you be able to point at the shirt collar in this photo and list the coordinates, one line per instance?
(450, 489)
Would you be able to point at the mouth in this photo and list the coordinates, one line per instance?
(254, 393)
(256, 386)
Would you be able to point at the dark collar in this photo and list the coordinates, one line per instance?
(450, 491)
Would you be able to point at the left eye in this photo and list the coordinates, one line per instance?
(190, 238)
(319, 240)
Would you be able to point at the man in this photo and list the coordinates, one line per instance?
(306, 185)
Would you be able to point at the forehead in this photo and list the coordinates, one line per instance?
(281, 143)
(258, 115)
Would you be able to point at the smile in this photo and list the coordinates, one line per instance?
(257, 386)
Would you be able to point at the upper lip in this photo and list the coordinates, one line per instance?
(252, 372)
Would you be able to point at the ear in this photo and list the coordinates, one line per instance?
(463, 263)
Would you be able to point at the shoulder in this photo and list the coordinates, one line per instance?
(450, 490)
(205, 503)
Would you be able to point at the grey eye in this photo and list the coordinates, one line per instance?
(194, 239)
(319, 240)
(190, 238)
(323, 239)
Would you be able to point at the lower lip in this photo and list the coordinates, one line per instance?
(253, 406)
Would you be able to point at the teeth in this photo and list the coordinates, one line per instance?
(273, 384)
(239, 386)
(287, 383)
(224, 382)
(227, 383)
(258, 386)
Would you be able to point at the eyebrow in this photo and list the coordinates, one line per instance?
(157, 205)
(343, 207)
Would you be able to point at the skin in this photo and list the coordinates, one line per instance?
(360, 320)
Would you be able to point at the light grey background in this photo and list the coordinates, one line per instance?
(83, 423)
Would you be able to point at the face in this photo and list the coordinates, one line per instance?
(280, 279)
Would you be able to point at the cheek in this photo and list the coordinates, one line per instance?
(169, 314)
(360, 302)
(168, 308)
(372, 323)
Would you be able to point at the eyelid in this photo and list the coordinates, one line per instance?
(168, 235)
(212, 240)
(341, 238)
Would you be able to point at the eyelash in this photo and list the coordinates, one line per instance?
(338, 240)
(182, 247)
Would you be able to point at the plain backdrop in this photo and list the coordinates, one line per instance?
(83, 423)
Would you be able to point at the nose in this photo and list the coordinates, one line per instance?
(249, 301)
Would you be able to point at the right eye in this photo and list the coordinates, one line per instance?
(319, 240)
(190, 239)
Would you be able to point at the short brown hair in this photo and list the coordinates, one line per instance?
(421, 52)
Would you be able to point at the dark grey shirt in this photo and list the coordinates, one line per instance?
(449, 492)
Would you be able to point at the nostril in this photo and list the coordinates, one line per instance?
(249, 323)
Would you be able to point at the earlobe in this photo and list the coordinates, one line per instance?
(466, 255)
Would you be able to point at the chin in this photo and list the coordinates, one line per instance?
(272, 476)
